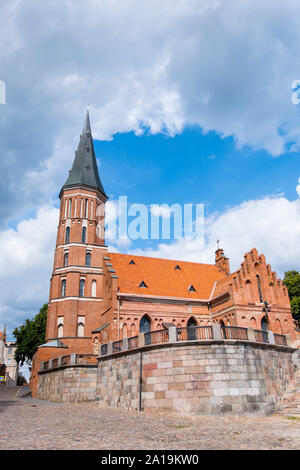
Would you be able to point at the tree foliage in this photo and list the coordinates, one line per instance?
(30, 335)
(292, 282)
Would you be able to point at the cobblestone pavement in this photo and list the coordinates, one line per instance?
(33, 424)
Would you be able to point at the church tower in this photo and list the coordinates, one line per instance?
(76, 290)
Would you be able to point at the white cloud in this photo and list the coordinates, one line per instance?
(271, 224)
(226, 66)
(26, 263)
(298, 188)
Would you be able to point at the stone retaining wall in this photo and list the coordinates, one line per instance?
(69, 383)
(208, 378)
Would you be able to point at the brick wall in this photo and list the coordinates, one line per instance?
(210, 379)
(71, 383)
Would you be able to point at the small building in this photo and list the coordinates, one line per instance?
(7, 357)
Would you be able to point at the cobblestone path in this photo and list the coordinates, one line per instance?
(32, 424)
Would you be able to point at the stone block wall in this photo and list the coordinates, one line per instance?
(70, 383)
(215, 378)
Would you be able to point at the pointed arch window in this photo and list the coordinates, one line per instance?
(81, 287)
(80, 327)
(86, 206)
(177, 267)
(83, 235)
(191, 329)
(67, 239)
(66, 259)
(145, 324)
(131, 262)
(60, 327)
(70, 208)
(88, 259)
(191, 288)
(259, 288)
(63, 288)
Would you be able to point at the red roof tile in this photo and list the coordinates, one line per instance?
(161, 277)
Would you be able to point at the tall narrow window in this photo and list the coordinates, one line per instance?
(80, 329)
(63, 288)
(70, 208)
(66, 259)
(83, 235)
(259, 288)
(92, 209)
(66, 207)
(60, 329)
(94, 285)
(81, 288)
(88, 259)
(86, 206)
(67, 235)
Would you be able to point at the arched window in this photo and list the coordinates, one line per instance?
(278, 328)
(60, 327)
(83, 235)
(145, 327)
(66, 259)
(88, 259)
(60, 330)
(94, 286)
(63, 288)
(191, 329)
(248, 290)
(132, 330)
(145, 324)
(70, 208)
(96, 345)
(259, 288)
(81, 288)
(223, 329)
(124, 331)
(80, 329)
(86, 205)
(67, 235)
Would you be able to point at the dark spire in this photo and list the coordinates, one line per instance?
(85, 171)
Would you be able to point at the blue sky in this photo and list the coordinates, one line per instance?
(192, 167)
(190, 102)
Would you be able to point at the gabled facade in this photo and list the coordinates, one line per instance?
(97, 296)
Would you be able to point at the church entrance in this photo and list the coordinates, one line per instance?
(145, 327)
(191, 329)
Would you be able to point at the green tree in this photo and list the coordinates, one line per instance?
(30, 335)
(292, 282)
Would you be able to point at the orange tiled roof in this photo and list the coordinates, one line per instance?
(161, 277)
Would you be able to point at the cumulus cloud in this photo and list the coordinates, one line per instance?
(26, 255)
(226, 66)
(271, 224)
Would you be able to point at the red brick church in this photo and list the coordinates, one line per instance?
(97, 296)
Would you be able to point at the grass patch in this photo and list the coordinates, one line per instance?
(293, 418)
